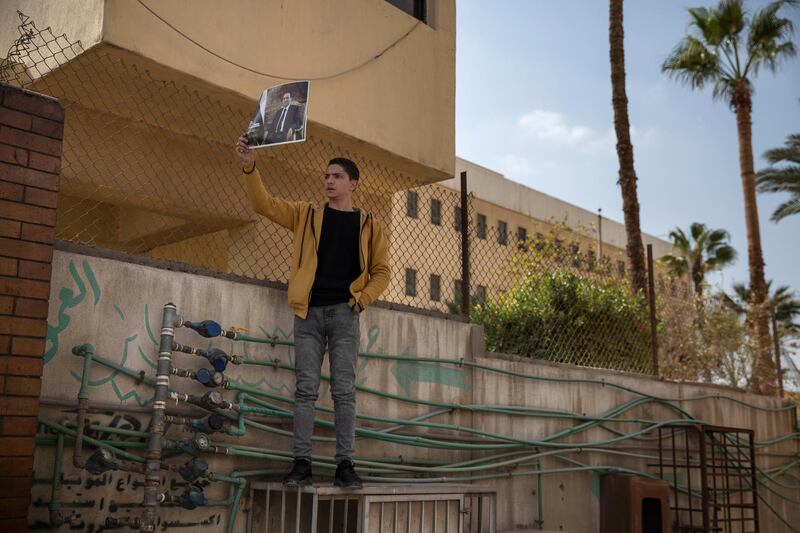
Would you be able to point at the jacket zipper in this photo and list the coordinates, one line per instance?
(302, 240)
(314, 236)
(360, 249)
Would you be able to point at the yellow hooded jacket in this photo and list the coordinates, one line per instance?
(304, 220)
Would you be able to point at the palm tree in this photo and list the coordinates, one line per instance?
(784, 310)
(703, 250)
(627, 173)
(726, 46)
(783, 179)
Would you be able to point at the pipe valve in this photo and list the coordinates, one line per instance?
(193, 469)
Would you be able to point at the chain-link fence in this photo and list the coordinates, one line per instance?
(148, 168)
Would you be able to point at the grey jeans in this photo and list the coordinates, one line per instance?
(334, 326)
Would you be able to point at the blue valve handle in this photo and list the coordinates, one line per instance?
(209, 329)
(192, 498)
(208, 424)
(193, 469)
(209, 378)
(218, 359)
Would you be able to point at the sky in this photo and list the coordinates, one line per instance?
(533, 101)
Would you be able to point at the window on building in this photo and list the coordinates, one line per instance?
(411, 282)
(457, 218)
(522, 237)
(502, 233)
(575, 255)
(415, 8)
(539, 242)
(621, 267)
(480, 295)
(411, 204)
(591, 260)
(436, 212)
(436, 288)
(458, 288)
(480, 227)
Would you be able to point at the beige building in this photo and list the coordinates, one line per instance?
(156, 93)
(427, 263)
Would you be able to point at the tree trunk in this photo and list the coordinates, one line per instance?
(627, 173)
(698, 277)
(763, 379)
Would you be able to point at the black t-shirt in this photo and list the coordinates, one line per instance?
(337, 257)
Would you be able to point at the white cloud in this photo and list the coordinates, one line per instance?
(512, 165)
(552, 126)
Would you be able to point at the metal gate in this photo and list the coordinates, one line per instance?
(712, 473)
(413, 508)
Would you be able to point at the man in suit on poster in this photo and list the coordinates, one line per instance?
(287, 122)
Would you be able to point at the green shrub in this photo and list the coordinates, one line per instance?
(559, 315)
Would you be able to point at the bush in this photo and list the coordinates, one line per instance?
(559, 315)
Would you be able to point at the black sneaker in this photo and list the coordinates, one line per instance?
(346, 476)
(299, 475)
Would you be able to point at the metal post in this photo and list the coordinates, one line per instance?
(704, 494)
(776, 340)
(153, 469)
(464, 246)
(600, 234)
(753, 478)
(651, 300)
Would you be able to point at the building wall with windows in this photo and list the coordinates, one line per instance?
(505, 215)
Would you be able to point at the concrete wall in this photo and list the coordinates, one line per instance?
(59, 16)
(115, 305)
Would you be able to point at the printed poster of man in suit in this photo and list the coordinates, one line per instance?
(280, 117)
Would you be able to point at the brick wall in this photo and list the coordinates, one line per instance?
(31, 129)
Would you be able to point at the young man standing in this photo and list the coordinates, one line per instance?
(339, 266)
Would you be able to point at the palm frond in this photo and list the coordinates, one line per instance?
(698, 230)
(680, 240)
(738, 302)
(692, 63)
(789, 153)
(676, 264)
(788, 208)
(769, 40)
(730, 17)
(717, 237)
(723, 256)
(705, 24)
(786, 179)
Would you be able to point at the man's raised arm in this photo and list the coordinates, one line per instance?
(276, 209)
